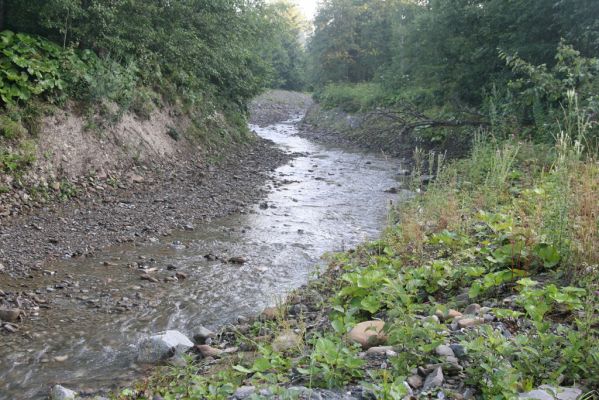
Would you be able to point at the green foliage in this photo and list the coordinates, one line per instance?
(332, 363)
(29, 67)
(350, 98)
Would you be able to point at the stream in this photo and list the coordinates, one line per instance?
(324, 200)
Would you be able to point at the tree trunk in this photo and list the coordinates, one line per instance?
(2, 14)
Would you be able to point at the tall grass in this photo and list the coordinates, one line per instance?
(552, 195)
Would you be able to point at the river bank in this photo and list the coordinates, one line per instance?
(324, 199)
(460, 298)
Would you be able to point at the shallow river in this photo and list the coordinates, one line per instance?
(326, 199)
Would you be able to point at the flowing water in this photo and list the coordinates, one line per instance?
(326, 199)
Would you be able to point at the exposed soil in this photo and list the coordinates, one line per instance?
(152, 201)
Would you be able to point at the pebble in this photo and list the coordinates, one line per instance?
(382, 350)
(434, 379)
(286, 341)
(415, 381)
(470, 322)
(10, 314)
(244, 392)
(368, 334)
(146, 277)
(472, 309)
(458, 350)
(207, 351)
(202, 334)
(444, 351)
(61, 393)
(269, 314)
(449, 315)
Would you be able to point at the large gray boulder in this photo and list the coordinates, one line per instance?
(162, 346)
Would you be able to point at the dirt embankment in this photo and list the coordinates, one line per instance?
(128, 183)
(378, 134)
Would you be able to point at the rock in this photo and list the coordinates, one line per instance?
(434, 379)
(237, 260)
(302, 392)
(368, 334)
(10, 328)
(61, 393)
(146, 277)
(244, 392)
(207, 351)
(415, 381)
(470, 322)
(472, 309)
(458, 350)
(444, 351)
(489, 317)
(159, 347)
(546, 392)
(449, 315)
(269, 314)
(181, 276)
(202, 334)
(134, 178)
(298, 309)
(286, 341)
(468, 394)
(382, 350)
(10, 314)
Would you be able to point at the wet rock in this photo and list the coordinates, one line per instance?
(546, 392)
(61, 393)
(415, 381)
(434, 379)
(10, 314)
(470, 322)
(202, 335)
(208, 351)
(10, 328)
(211, 257)
(181, 276)
(159, 347)
(472, 309)
(286, 341)
(444, 351)
(237, 260)
(244, 392)
(368, 334)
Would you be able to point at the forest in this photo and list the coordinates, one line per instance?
(469, 128)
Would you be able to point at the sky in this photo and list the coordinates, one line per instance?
(308, 7)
